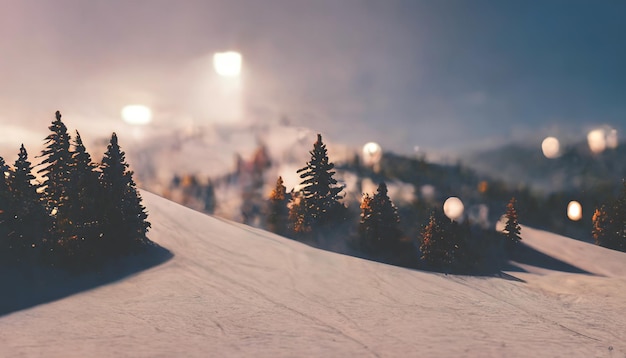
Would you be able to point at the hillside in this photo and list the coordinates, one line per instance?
(231, 290)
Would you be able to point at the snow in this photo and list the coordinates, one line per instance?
(233, 291)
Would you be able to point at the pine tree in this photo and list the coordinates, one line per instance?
(366, 231)
(4, 208)
(600, 226)
(83, 205)
(56, 164)
(512, 228)
(435, 245)
(379, 226)
(28, 220)
(320, 192)
(278, 212)
(297, 215)
(609, 223)
(124, 218)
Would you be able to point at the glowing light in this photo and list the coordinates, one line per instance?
(574, 210)
(372, 153)
(428, 192)
(596, 140)
(137, 114)
(227, 64)
(453, 208)
(550, 147)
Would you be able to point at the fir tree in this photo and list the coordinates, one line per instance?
(512, 228)
(609, 223)
(320, 192)
(124, 217)
(83, 204)
(599, 222)
(436, 247)
(297, 215)
(278, 212)
(5, 202)
(56, 160)
(379, 226)
(27, 220)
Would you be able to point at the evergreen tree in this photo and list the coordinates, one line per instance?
(27, 219)
(609, 223)
(600, 221)
(124, 219)
(4, 208)
(512, 228)
(436, 245)
(278, 212)
(56, 160)
(297, 215)
(379, 226)
(83, 205)
(320, 192)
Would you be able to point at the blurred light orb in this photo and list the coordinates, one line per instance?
(453, 208)
(597, 141)
(136, 114)
(372, 153)
(574, 210)
(227, 64)
(550, 147)
(428, 192)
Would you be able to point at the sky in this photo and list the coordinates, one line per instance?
(442, 75)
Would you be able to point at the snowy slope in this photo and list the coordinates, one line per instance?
(231, 290)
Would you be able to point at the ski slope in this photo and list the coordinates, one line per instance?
(234, 291)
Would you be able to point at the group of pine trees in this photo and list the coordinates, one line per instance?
(81, 214)
(609, 223)
(315, 213)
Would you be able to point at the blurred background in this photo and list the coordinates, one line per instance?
(529, 93)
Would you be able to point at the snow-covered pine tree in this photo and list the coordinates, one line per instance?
(512, 228)
(320, 191)
(278, 212)
(124, 218)
(28, 221)
(379, 226)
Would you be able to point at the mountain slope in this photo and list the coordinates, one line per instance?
(231, 290)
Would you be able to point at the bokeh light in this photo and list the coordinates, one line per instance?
(600, 139)
(428, 192)
(551, 147)
(453, 208)
(136, 114)
(372, 153)
(596, 140)
(574, 210)
(227, 64)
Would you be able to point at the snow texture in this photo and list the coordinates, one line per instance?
(235, 291)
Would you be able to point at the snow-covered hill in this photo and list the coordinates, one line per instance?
(231, 290)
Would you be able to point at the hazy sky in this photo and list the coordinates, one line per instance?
(444, 74)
